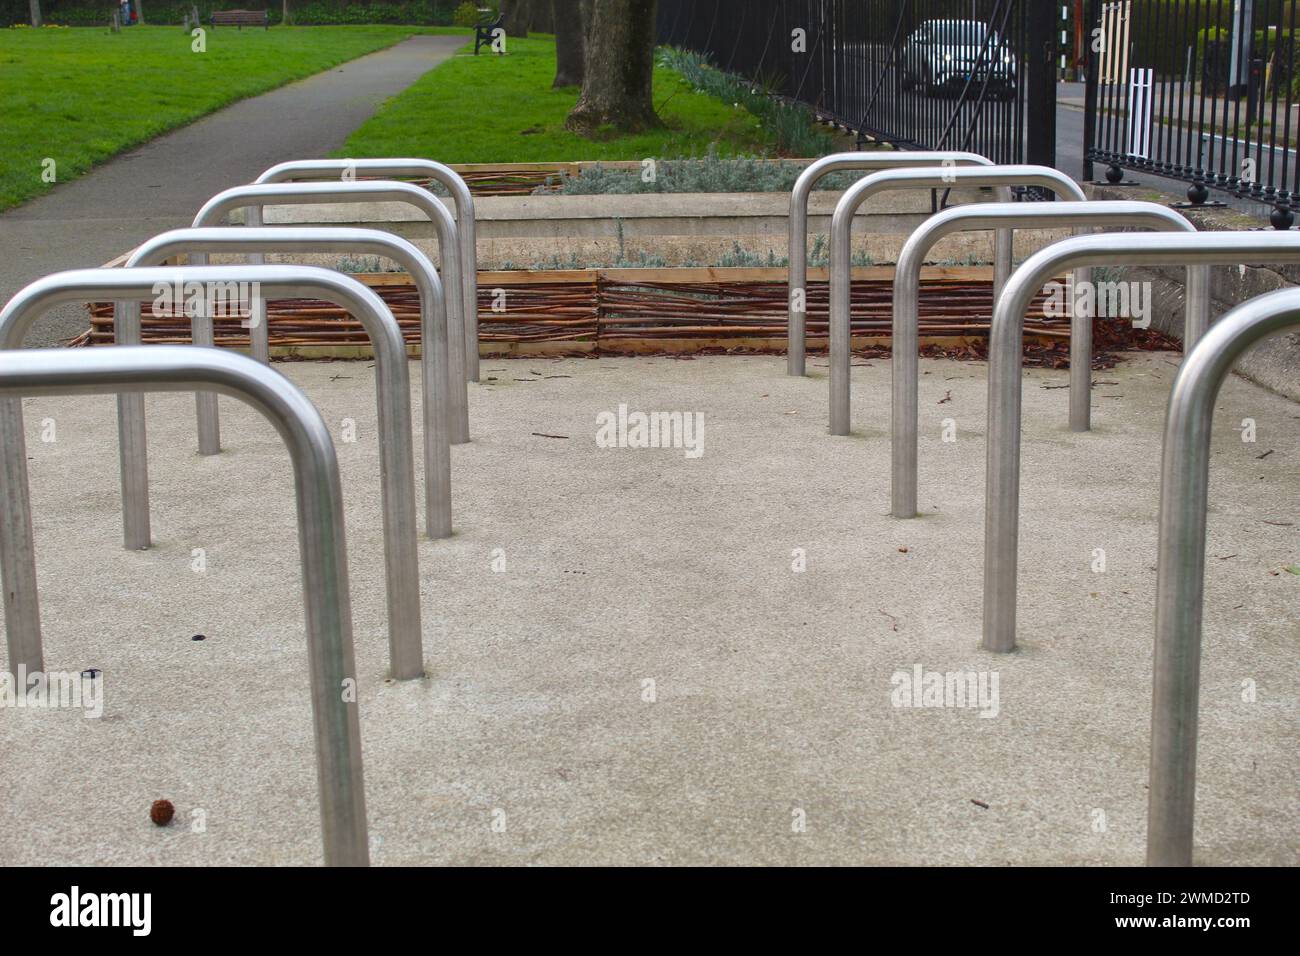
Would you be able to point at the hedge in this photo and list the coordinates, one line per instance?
(1214, 58)
(1165, 28)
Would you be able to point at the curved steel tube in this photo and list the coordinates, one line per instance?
(841, 249)
(797, 282)
(1180, 583)
(1002, 477)
(434, 359)
(321, 538)
(397, 468)
(277, 194)
(303, 169)
(907, 282)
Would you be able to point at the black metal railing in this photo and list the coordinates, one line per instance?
(974, 75)
(1202, 91)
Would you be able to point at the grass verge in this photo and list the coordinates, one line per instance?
(501, 109)
(83, 94)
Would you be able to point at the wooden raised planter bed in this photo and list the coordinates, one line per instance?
(625, 310)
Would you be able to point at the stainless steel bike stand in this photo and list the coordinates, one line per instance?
(907, 281)
(394, 395)
(433, 333)
(275, 194)
(304, 169)
(1180, 583)
(1002, 481)
(797, 270)
(321, 535)
(841, 248)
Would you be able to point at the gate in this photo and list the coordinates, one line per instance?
(975, 75)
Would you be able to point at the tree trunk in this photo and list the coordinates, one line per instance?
(35, 7)
(619, 69)
(139, 12)
(543, 16)
(569, 45)
(286, 15)
(515, 17)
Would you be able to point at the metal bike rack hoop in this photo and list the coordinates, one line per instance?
(275, 194)
(433, 331)
(1002, 474)
(321, 536)
(305, 169)
(1180, 581)
(907, 280)
(392, 384)
(841, 247)
(797, 271)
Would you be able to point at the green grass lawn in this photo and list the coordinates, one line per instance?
(501, 109)
(80, 95)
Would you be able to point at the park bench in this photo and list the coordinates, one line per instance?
(484, 30)
(241, 18)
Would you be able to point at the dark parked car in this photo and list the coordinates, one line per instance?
(943, 55)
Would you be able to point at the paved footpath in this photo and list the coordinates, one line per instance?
(162, 184)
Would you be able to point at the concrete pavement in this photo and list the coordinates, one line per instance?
(640, 675)
(161, 184)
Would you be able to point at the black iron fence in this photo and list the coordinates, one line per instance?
(974, 75)
(1202, 91)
